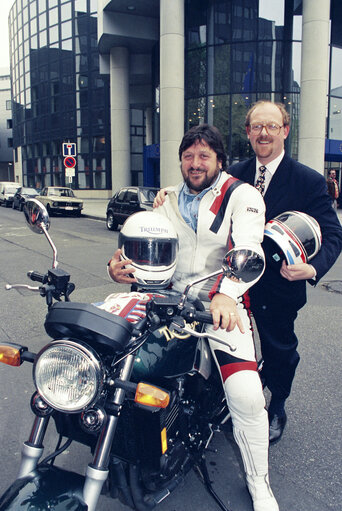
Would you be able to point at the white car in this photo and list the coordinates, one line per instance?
(7, 191)
(60, 199)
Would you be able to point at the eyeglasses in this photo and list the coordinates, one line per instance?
(272, 128)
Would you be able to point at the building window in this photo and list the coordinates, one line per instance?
(8, 104)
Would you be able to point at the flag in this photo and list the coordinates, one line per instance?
(247, 84)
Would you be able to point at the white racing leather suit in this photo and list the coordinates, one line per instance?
(230, 215)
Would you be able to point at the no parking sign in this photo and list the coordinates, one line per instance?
(69, 162)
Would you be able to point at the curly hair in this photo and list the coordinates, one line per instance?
(210, 135)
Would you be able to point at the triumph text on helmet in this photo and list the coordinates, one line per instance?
(292, 236)
(151, 242)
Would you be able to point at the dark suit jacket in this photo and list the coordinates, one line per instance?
(294, 187)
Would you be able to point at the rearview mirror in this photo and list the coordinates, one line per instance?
(38, 221)
(36, 216)
(243, 265)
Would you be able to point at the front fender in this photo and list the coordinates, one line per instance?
(47, 487)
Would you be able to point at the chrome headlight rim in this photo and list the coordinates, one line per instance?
(80, 348)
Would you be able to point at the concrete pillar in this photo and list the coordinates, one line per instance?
(171, 88)
(119, 117)
(314, 83)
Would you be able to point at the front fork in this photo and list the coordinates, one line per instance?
(97, 471)
(33, 448)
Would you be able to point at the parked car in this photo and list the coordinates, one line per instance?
(21, 195)
(60, 199)
(7, 191)
(126, 201)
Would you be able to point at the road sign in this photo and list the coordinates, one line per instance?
(69, 172)
(69, 162)
(69, 149)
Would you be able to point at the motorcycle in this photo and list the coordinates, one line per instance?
(145, 397)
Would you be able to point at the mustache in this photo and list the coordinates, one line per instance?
(265, 137)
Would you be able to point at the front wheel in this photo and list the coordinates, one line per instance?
(111, 223)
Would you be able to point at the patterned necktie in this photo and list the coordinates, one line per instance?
(260, 184)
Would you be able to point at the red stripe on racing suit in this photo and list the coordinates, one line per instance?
(234, 367)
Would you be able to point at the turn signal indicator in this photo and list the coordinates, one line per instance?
(10, 355)
(150, 395)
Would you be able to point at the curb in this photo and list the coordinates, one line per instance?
(94, 217)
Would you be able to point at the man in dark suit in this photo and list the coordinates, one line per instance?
(277, 297)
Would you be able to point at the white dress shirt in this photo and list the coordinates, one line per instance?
(271, 168)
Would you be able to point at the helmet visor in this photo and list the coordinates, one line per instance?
(151, 252)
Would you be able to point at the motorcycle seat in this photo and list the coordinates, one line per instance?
(88, 323)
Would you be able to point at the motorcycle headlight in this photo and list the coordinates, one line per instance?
(68, 375)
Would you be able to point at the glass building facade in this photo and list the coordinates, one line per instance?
(58, 94)
(239, 51)
(236, 52)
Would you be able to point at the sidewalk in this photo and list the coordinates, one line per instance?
(95, 208)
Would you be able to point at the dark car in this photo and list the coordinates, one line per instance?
(126, 201)
(21, 195)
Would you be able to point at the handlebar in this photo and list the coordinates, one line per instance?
(193, 314)
(55, 285)
(36, 276)
(166, 307)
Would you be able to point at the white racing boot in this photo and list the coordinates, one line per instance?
(261, 493)
(250, 428)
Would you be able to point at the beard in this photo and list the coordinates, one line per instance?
(204, 183)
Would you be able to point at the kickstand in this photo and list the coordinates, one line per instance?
(202, 472)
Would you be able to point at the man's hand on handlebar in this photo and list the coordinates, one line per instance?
(117, 269)
(159, 198)
(225, 314)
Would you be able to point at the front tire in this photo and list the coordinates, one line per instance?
(111, 223)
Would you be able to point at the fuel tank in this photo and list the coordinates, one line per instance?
(168, 354)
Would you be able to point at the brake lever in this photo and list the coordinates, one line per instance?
(185, 328)
(8, 287)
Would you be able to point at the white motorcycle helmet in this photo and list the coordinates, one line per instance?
(151, 242)
(293, 236)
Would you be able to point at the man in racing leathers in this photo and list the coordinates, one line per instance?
(213, 212)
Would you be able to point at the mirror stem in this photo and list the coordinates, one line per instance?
(53, 246)
(197, 281)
